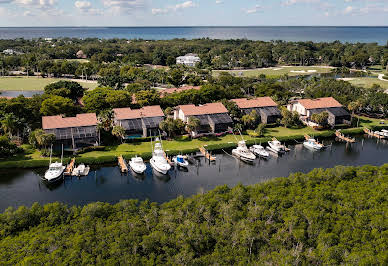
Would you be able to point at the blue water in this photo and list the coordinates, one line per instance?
(316, 34)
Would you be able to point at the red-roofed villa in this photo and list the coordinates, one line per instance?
(139, 123)
(213, 117)
(307, 107)
(75, 132)
(265, 107)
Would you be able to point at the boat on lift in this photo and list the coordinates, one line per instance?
(81, 170)
(158, 161)
(181, 161)
(137, 165)
(259, 151)
(243, 153)
(55, 171)
(276, 146)
(312, 143)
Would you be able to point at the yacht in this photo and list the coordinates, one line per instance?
(180, 161)
(243, 152)
(312, 144)
(259, 150)
(137, 165)
(158, 160)
(55, 171)
(276, 147)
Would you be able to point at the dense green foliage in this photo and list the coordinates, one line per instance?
(334, 216)
(7, 148)
(217, 54)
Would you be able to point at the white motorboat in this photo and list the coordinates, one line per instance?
(259, 150)
(381, 134)
(385, 132)
(137, 165)
(180, 161)
(158, 160)
(81, 170)
(55, 171)
(243, 152)
(276, 147)
(312, 144)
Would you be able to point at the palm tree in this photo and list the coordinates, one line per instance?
(118, 131)
(9, 124)
(193, 124)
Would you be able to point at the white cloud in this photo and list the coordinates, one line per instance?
(86, 8)
(348, 10)
(184, 5)
(294, 2)
(124, 6)
(219, 2)
(253, 10)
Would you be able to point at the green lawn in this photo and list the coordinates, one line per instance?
(368, 82)
(277, 71)
(369, 122)
(32, 83)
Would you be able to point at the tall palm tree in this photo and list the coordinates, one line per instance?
(9, 124)
(193, 124)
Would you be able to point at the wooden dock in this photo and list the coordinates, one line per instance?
(122, 164)
(168, 159)
(344, 138)
(70, 167)
(373, 134)
(207, 154)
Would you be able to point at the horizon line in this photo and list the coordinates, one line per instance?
(219, 26)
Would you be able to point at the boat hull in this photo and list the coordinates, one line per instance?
(137, 170)
(158, 169)
(243, 158)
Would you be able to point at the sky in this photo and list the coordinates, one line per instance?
(193, 13)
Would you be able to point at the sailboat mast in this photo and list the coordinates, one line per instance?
(51, 152)
(62, 155)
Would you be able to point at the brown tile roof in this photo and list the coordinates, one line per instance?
(206, 109)
(173, 90)
(244, 103)
(81, 120)
(319, 103)
(146, 111)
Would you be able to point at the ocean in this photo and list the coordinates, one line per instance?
(315, 34)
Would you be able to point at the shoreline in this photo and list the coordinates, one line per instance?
(104, 156)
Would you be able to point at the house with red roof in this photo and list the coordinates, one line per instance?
(213, 117)
(75, 132)
(139, 123)
(265, 108)
(307, 107)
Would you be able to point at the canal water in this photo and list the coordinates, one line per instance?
(106, 184)
(17, 93)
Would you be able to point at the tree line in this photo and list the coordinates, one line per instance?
(334, 216)
(50, 57)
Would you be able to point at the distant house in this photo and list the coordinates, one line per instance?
(139, 123)
(74, 132)
(265, 107)
(213, 117)
(307, 107)
(188, 60)
(180, 89)
(80, 54)
(11, 52)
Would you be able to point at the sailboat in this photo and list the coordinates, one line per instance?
(243, 152)
(55, 171)
(158, 161)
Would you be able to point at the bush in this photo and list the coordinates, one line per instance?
(7, 148)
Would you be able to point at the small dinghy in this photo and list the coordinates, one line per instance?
(81, 170)
(137, 165)
(180, 161)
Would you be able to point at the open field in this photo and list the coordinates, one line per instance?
(368, 82)
(33, 83)
(278, 71)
